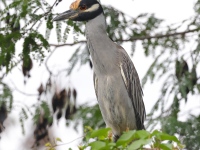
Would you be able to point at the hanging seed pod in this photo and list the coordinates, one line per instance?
(59, 114)
(62, 99)
(15, 25)
(41, 132)
(74, 106)
(48, 85)
(74, 93)
(11, 21)
(27, 66)
(3, 116)
(181, 69)
(67, 112)
(59, 100)
(74, 110)
(69, 93)
(194, 75)
(40, 90)
(8, 18)
(55, 100)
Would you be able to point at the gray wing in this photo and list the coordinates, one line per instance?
(95, 80)
(133, 86)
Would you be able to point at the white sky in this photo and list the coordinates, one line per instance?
(172, 11)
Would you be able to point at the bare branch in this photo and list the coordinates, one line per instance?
(18, 90)
(50, 72)
(42, 15)
(70, 141)
(68, 44)
(50, 8)
(157, 36)
(162, 35)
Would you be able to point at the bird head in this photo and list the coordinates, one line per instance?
(81, 10)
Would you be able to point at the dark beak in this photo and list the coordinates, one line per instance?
(70, 14)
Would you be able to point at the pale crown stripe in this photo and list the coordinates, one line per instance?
(92, 8)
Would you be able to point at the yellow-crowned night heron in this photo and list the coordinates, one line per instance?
(116, 81)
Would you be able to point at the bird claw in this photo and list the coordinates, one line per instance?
(110, 135)
(127, 129)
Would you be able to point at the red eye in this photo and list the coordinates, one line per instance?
(83, 7)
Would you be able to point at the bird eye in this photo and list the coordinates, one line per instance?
(83, 7)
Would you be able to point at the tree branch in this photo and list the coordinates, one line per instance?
(50, 8)
(18, 90)
(50, 72)
(157, 36)
(68, 44)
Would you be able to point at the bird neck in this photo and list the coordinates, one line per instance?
(100, 45)
(96, 26)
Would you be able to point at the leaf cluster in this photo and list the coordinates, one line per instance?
(130, 140)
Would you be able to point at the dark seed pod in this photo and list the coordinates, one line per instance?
(193, 76)
(48, 85)
(74, 93)
(69, 93)
(67, 112)
(181, 69)
(8, 18)
(27, 66)
(40, 89)
(59, 115)
(54, 102)
(62, 98)
(15, 26)
(74, 109)
(59, 100)
(41, 132)
(3, 116)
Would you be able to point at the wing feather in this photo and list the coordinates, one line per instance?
(133, 86)
(95, 80)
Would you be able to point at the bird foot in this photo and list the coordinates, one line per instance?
(110, 135)
(127, 129)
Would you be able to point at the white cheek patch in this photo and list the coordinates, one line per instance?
(92, 8)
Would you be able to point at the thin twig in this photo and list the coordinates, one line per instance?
(18, 90)
(42, 15)
(50, 72)
(70, 141)
(67, 44)
(50, 8)
(157, 36)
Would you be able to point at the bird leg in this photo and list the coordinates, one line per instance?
(127, 129)
(110, 135)
(115, 138)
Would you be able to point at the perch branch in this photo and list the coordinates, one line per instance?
(157, 36)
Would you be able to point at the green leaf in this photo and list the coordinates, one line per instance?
(125, 138)
(58, 139)
(97, 145)
(49, 23)
(48, 144)
(142, 134)
(166, 146)
(138, 144)
(163, 136)
(101, 133)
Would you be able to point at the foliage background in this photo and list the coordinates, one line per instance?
(179, 91)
